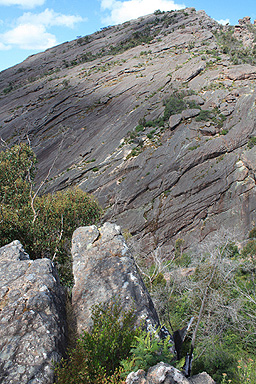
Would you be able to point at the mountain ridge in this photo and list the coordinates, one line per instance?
(101, 111)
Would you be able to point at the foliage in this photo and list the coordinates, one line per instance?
(252, 142)
(98, 353)
(215, 362)
(213, 115)
(249, 250)
(252, 233)
(234, 48)
(175, 104)
(147, 351)
(246, 370)
(215, 284)
(43, 224)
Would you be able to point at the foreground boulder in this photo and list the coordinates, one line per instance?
(166, 374)
(104, 269)
(32, 317)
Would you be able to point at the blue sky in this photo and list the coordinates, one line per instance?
(31, 26)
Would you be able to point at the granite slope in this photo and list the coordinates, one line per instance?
(80, 103)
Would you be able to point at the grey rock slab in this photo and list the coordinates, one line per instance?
(208, 130)
(190, 70)
(85, 112)
(167, 374)
(104, 270)
(188, 113)
(32, 317)
(174, 120)
(197, 99)
(241, 72)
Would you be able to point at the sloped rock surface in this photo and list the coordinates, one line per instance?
(82, 101)
(32, 317)
(165, 373)
(104, 269)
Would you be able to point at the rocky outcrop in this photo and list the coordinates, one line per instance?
(165, 373)
(82, 102)
(104, 269)
(32, 317)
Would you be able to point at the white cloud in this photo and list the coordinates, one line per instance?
(4, 47)
(31, 30)
(50, 18)
(223, 22)
(23, 3)
(121, 11)
(30, 36)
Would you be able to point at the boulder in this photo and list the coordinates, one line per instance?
(197, 99)
(104, 269)
(174, 120)
(188, 113)
(208, 130)
(32, 317)
(165, 373)
(245, 20)
(241, 72)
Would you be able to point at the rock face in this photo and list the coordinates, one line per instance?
(104, 269)
(166, 374)
(84, 100)
(32, 317)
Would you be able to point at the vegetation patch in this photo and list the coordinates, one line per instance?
(113, 348)
(231, 46)
(43, 224)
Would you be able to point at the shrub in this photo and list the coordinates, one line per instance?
(252, 233)
(45, 224)
(146, 352)
(204, 115)
(98, 354)
(175, 104)
(252, 142)
(249, 250)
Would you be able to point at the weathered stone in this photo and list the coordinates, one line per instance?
(189, 70)
(201, 378)
(174, 120)
(241, 72)
(197, 99)
(32, 317)
(245, 20)
(188, 113)
(93, 115)
(104, 269)
(167, 374)
(208, 130)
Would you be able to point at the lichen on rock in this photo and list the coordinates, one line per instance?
(104, 269)
(32, 317)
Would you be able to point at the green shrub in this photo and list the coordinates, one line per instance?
(147, 351)
(175, 104)
(215, 362)
(204, 115)
(98, 353)
(43, 224)
(252, 142)
(252, 233)
(139, 128)
(249, 250)
(214, 115)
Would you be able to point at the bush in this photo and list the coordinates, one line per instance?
(175, 104)
(45, 224)
(252, 142)
(216, 362)
(98, 354)
(147, 351)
